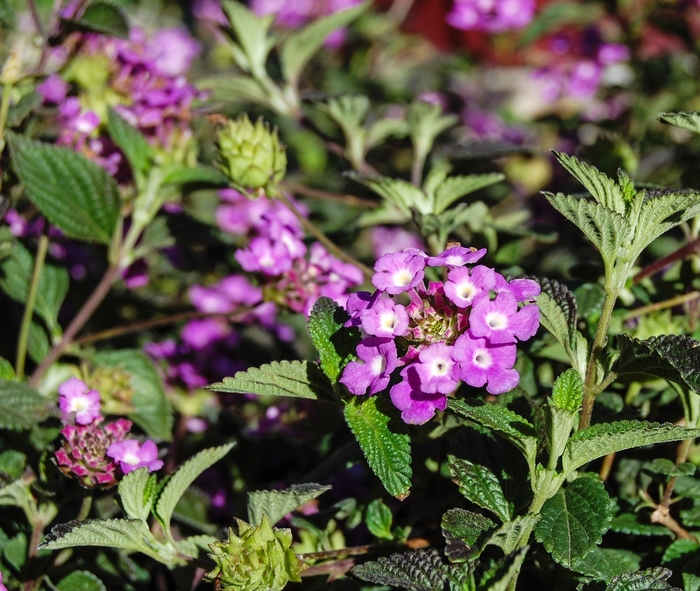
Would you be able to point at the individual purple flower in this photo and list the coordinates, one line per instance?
(500, 320)
(386, 239)
(270, 258)
(483, 364)
(456, 256)
(379, 360)
(584, 79)
(239, 290)
(492, 16)
(398, 272)
(130, 455)
(54, 89)
(75, 398)
(417, 406)
(437, 369)
(384, 319)
(463, 285)
(172, 51)
(356, 303)
(523, 289)
(201, 332)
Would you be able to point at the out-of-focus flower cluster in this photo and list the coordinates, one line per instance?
(464, 328)
(91, 451)
(142, 79)
(296, 13)
(492, 16)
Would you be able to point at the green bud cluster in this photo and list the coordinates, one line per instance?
(251, 155)
(257, 559)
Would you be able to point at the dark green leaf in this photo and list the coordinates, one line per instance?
(275, 504)
(567, 392)
(7, 15)
(462, 530)
(652, 579)
(136, 491)
(7, 372)
(74, 193)
(102, 17)
(679, 550)
(505, 572)
(573, 521)
(384, 440)
(12, 463)
(24, 106)
(379, 519)
(675, 358)
(686, 120)
(603, 564)
(335, 344)
(200, 175)
(81, 580)
(130, 140)
(420, 570)
(152, 411)
(22, 407)
(298, 379)
(637, 525)
(38, 343)
(481, 486)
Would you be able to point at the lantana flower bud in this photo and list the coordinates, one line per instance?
(251, 155)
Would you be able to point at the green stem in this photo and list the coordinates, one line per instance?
(29, 306)
(4, 110)
(591, 379)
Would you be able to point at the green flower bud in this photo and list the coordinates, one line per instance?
(251, 155)
(257, 559)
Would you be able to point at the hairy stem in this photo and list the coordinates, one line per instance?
(23, 339)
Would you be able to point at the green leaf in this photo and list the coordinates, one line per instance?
(205, 175)
(503, 421)
(605, 438)
(689, 120)
(637, 525)
(378, 519)
(298, 379)
(127, 534)
(181, 480)
(233, 88)
(661, 211)
(25, 106)
(425, 123)
(81, 580)
(335, 344)
(559, 315)
(604, 190)
(8, 18)
(508, 536)
(131, 141)
(401, 193)
(675, 358)
(103, 17)
(38, 343)
(481, 486)
(74, 193)
(22, 407)
(604, 564)
(573, 521)
(7, 372)
(137, 493)
(152, 411)
(251, 33)
(567, 392)
(12, 463)
(384, 440)
(300, 46)
(652, 579)
(462, 530)
(275, 504)
(557, 15)
(505, 572)
(15, 279)
(420, 570)
(456, 187)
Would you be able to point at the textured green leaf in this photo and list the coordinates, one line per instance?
(335, 344)
(481, 486)
(275, 504)
(136, 491)
(603, 564)
(205, 175)
(505, 571)
(127, 534)
(689, 120)
(604, 190)
(637, 525)
(22, 407)
(152, 411)
(183, 478)
(573, 521)
(401, 193)
(251, 32)
(300, 47)
(14, 551)
(679, 550)
(235, 88)
(298, 379)
(605, 438)
(456, 187)
(74, 193)
(38, 343)
(384, 441)
(130, 141)
(675, 358)
(103, 17)
(15, 278)
(420, 570)
(462, 530)
(378, 519)
(662, 211)
(502, 420)
(567, 392)
(81, 580)
(12, 463)
(652, 579)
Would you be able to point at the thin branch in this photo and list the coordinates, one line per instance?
(351, 200)
(677, 301)
(693, 247)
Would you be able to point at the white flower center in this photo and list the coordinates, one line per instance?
(402, 278)
(80, 404)
(441, 367)
(482, 359)
(131, 458)
(388, 321)
(466, 290)
(496, 320)
(378, 365)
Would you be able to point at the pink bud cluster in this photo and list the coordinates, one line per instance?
(464, 328)
(492, 16)
(291, 275)
(91, 451)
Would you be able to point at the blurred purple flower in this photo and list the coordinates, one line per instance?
(130, 455)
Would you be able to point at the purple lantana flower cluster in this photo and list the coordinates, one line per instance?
(492, 16)
(421, 339)
(291, 275)
(142, 79)
(91, 451)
